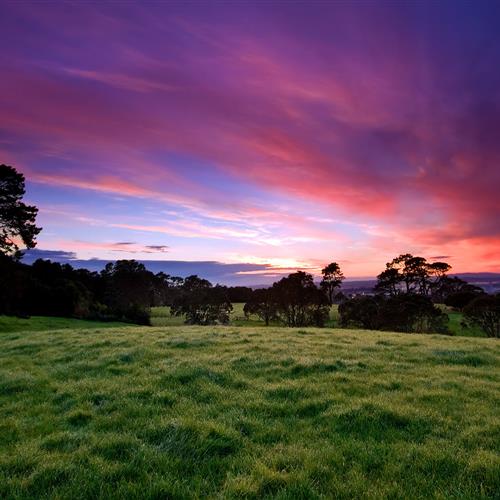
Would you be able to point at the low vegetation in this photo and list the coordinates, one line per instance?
(43, 323)
(178, 412)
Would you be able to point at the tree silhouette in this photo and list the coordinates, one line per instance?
(201, 303)
(388, 282)
(403, 312)
(128, 289)
(262, 303)
(299, 302)
(332, 279)
(17, 220)
(411, 274)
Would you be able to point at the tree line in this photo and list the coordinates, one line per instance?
(404, 298)
(123, 291)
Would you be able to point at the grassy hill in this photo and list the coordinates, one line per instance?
(180, 412)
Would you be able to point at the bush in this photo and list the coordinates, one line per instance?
(400, 313)
(412, 313)
(360, 312)
(299, 302)
(263, 304)
(201, 303)
(137, 315)
(484, 312)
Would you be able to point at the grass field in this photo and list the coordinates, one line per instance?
(226, 412)
(40, 323)
(456, 326)
(160, 316)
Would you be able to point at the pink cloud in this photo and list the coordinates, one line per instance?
(370, 126)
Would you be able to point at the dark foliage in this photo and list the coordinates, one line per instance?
(332, 280)
(121, 292)
(165, 289)
(456, 293)
(408, 274)
(45, 288)
(388, 282)
(405, 274)
(299, 302)
(17, 220)
(412, 313)
(361, 312)
(202, 303)
(459, 300)
(484, 311)
(239, 293)
(128, 287)
(263, 304)
(292, 301)
(400, 313)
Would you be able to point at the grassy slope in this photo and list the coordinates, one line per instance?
(201, 411)
(39, 323)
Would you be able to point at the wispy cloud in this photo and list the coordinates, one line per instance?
(354, 135)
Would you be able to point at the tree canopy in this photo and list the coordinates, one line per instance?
(411, 274)
(17, 220)
(201, 303)
(332, 280)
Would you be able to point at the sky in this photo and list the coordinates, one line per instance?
(258, 137)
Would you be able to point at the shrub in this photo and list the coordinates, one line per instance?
(412, 313)
(400, 313)
(360, 312)
(484, 312)
(299, 302)
(201, 303)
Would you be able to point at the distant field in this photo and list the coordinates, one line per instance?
(455, 325)
(39, 323)
(225, 412)
(160, 316)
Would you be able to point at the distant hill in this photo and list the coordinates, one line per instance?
(233, 274)
(489, 282)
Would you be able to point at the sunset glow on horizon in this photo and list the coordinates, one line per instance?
(279, 135)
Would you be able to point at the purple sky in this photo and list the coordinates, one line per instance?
(280, 135)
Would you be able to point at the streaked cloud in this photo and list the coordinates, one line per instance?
(309, 133)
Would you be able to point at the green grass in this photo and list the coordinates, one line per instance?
(40, 323)
(456, 326)
(226, 412)
(160, 316)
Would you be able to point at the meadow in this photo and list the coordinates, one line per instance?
(160, 316)
(247, 412)
(42, 323)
